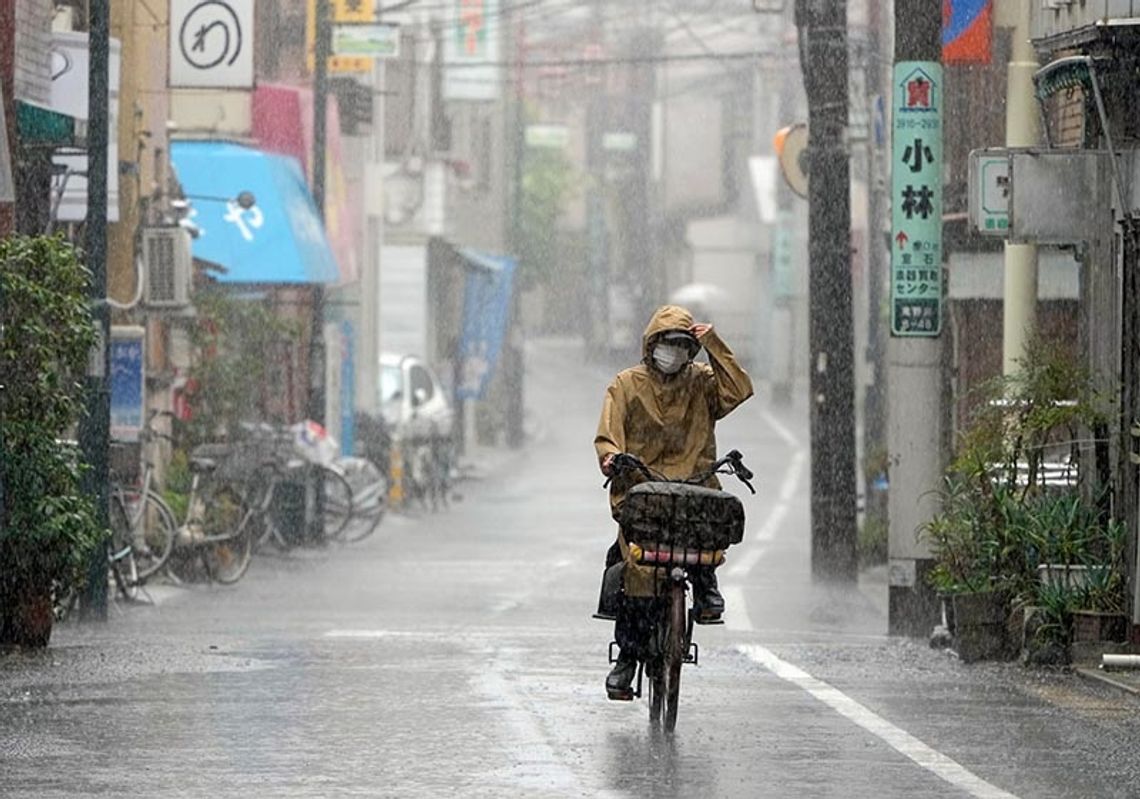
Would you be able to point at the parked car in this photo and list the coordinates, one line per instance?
(413, 401)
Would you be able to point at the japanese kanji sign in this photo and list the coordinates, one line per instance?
(916, 200)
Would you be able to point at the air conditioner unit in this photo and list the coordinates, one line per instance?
(167, 264)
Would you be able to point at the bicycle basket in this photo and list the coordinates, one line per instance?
(681, 515)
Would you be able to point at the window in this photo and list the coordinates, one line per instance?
(389, 384)
(421, 380)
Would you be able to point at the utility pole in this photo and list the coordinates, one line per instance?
(512, 348)
(322, 52)
(95, 426)
(1022, 129)
(914, 432)
(875, 399)
(597, 329)
(822, 25)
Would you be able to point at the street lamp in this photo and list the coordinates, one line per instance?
(244, 200)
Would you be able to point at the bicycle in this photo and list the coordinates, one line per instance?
(427, 476)
(142, 524)
(267, 461)
(675, 526)
(218, 528)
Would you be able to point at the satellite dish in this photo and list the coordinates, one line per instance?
(791, 151)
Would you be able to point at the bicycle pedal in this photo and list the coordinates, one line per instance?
(620, 696)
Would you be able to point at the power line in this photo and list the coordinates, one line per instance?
(598, 62)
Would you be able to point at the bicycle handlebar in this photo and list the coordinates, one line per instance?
(732, 463)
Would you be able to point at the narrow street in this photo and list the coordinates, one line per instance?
(454, 654)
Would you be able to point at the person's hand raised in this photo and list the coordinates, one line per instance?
(699, 329)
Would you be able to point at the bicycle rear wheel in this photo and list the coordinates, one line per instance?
(369, 498)
(335, 503)
(675, 651)
(229, 520)
(120, 555)
(656, 695)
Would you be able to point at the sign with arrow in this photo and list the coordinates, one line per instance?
(916, 200)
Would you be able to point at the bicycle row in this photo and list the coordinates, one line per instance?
(270, 488)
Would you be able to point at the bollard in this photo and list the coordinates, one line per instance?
(396, 475)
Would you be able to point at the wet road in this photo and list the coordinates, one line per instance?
(453, 654)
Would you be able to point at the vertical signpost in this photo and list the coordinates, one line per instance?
(914, 349)
(916, 190)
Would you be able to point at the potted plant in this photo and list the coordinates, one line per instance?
(1100, 615)
(48, 526)
(967, 572)
(1000, 516)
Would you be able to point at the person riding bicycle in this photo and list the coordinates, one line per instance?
(664, 411)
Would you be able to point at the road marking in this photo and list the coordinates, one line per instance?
(782, 431)
(538, 761)
(736, 609)
(901, 741)
(371, 634)
(779, 512)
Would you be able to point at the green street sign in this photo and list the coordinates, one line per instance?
(376, 40)
(916, 200)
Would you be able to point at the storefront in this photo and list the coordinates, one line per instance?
(256, 229)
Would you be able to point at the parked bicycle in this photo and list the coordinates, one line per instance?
(429, 460)
(142, 524)
(675, 526)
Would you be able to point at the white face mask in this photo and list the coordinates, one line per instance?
(669, 358)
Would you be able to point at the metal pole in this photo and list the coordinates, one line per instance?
(322, 52)
(95, 427)
(823, 26)
(512, 347)
(1022, 129)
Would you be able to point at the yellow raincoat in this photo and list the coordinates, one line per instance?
(668, 421)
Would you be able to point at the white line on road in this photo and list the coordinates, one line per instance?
(736, 609)
(903, 742)
(782, 431)
(373, 634)
(775, 518)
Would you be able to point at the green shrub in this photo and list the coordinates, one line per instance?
(48, 527)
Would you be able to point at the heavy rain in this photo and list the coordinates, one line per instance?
(569, 398)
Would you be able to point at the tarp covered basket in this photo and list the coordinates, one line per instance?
(681, 515)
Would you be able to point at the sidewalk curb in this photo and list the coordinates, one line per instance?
(1095, 675)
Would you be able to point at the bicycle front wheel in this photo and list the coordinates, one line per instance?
(675, 651)
(151, 527)
(229, 524)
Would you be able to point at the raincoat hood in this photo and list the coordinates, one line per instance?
(665, 319)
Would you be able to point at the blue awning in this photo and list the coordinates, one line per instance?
(280, 239)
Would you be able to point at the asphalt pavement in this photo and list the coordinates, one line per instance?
(453, 654)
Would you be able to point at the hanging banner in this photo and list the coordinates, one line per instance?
(486, 310)
(916, 200)
(967, 31)
(128, 382)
